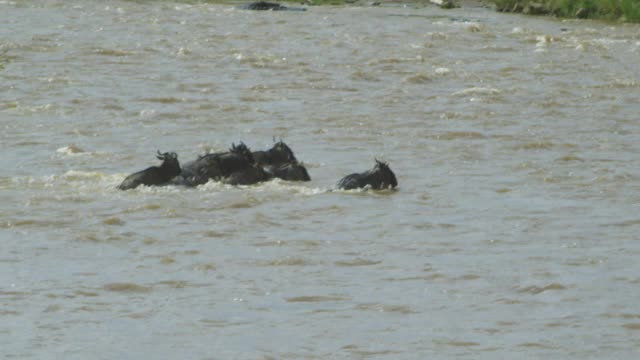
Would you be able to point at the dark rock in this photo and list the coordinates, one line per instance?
(265, 5)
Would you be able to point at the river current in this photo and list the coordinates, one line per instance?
(513, 234)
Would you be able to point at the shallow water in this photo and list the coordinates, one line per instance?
(513, 233)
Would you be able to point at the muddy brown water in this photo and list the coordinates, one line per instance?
(513, 233)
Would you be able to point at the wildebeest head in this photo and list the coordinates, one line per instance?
(168, 156)
(169, 161)
(242, 150)
(297, 172)
(384, 176)
(154, 175)
(282, 153)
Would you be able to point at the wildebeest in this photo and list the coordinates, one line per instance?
(279, 154)
(238, 158)
(378, 178)
(289, 172)
(280, 162)
(264, 5)
(154, 175)
(249, 176)
(216, 166)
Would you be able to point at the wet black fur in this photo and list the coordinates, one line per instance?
(216, 166)
(279, 154)
(155, 175)
(289, 172)
(249, 176)
(378, 178)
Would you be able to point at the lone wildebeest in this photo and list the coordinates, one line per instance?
(279, 154)
(216, 166)
(264, 5)
(378, 178)
(155, 175)
(289, 172)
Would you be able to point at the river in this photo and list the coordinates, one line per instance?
(513, 233)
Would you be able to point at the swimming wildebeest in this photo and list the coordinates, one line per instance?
(264, 5)
(155, 175)
(289, 172)
(378, 178)
(216, 166)
(280, 162)
(238, 158)
(249, 176)
(279, 154)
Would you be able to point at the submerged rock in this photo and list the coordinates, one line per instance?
(265, 5)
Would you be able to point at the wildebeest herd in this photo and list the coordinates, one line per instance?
(241, 166)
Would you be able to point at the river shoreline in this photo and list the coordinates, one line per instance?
(622, 12)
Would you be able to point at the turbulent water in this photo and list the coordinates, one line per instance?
(513, 233)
